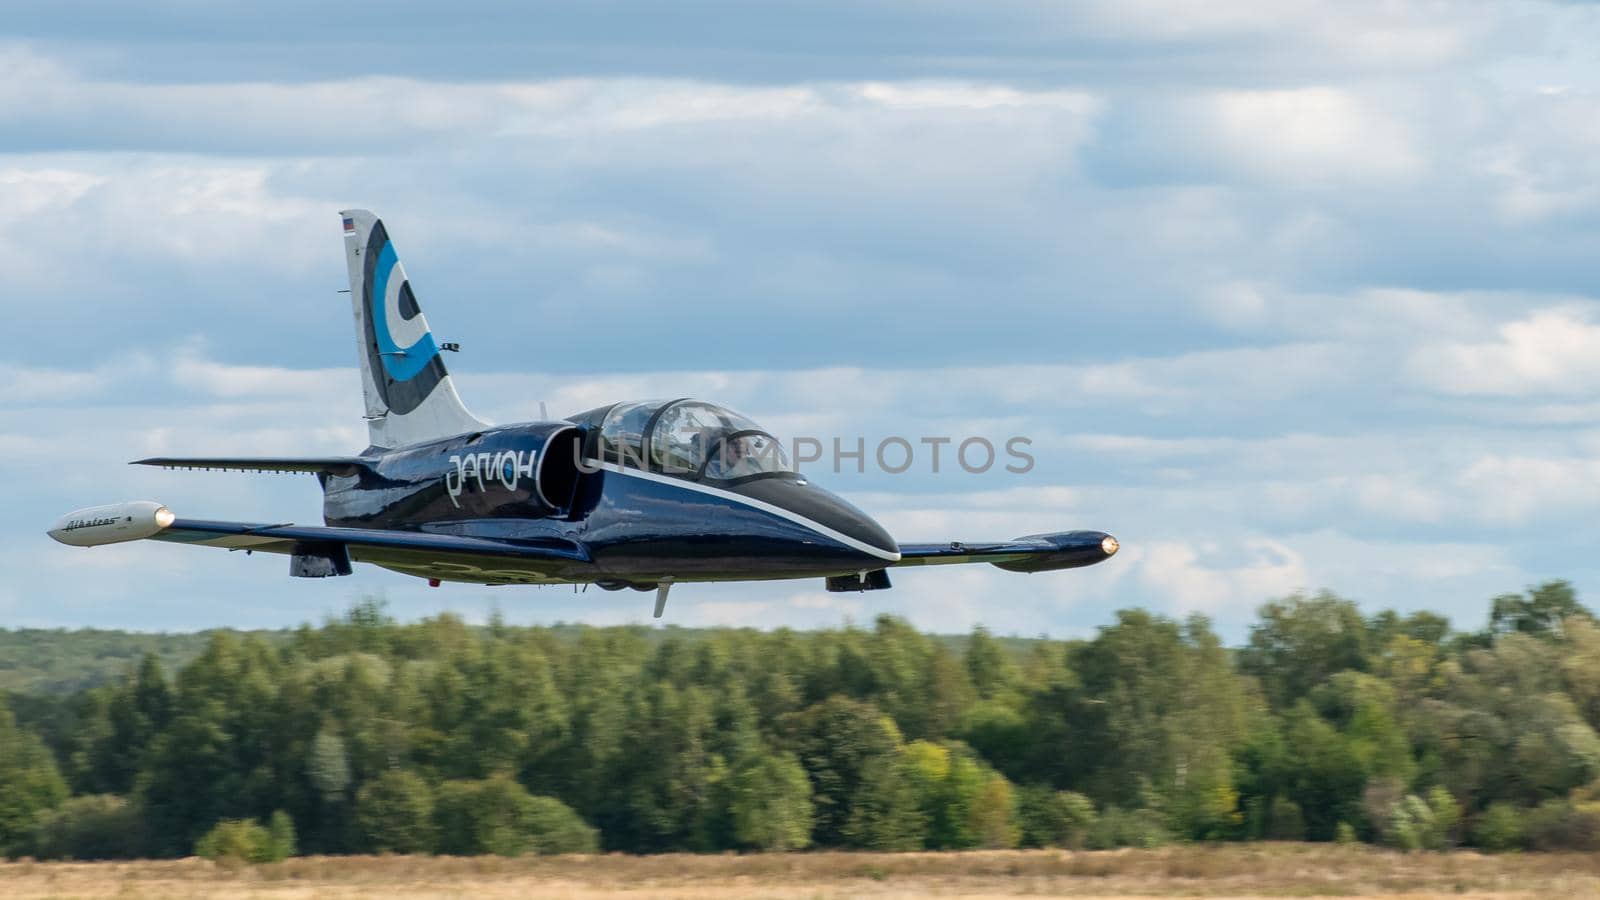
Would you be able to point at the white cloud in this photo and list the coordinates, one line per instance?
(1522, 490)
(83, 227)
(1312, 136)
(1552, 351)
(1541, 156)
(21, 385)
(1209, 577)
(1382, 316)
(232, 381)
(1362, 32)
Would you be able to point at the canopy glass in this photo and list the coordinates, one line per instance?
(690, 439)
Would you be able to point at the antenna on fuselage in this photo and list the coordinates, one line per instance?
(544, 414)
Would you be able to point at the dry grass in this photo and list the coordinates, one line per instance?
(1300, 870)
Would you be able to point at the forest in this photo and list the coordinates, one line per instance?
(365, 735)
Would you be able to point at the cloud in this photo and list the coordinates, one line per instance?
(1543, 161)
(1399, 36)
(1515, 489)
(52, 108)
(1028, 40)
(1552, 351)
(1308, 135)
(1207, 577)
(1296, 296)
(1295, 139)
(232, 381)
(21, 385)
(1161, 495)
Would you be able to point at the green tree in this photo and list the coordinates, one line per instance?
(1502, 729)
(222, 754)
(281, 841)
(1286, 822)
(837, 742)
(951, 817)
(395, 813)
(1580, 667)
(328, 768)
(1000, 733)
(1155, 720)
(1500, 828)
(886, 814)
(94, 826)
(1051, 818)
(1300, 641)
(136, 712)
(993, 674)
(1424, 824)
(1540, 612)
(771, 803)
(1389, 729)
(1364, 710)
(992, 814)
(1446, 815)
(552, 827)
(1564, 825)
(497, 815)
(1326, 775)
(964, 802)
(30, 783)
(234, 841)
(1143, 828)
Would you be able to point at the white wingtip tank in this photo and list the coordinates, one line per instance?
(113, 524)
(410, 397)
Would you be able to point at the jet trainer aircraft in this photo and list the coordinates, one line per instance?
(640, 494)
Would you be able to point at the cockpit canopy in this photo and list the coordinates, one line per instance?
(689, 439)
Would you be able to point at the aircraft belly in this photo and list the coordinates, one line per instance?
(470, 569)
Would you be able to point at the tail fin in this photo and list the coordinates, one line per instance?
(410, 397)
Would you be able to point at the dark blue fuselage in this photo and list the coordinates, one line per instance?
(535, 485)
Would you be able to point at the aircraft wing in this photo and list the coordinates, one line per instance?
(442, 556)
(283, 538)
(1034, 553)
(320, 550)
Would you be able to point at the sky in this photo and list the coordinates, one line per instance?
(1289, 297)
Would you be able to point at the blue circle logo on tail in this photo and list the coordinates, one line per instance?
(403, 357)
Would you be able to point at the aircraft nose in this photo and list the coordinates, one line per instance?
(852, 527)
(831, 516)
(874, 538)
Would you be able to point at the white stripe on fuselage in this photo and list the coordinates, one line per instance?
(765, 507)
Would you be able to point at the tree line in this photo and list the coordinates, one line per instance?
(368, 735)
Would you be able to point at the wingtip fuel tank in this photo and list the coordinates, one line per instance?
(113, 524)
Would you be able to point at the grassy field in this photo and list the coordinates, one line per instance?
(1209, 871)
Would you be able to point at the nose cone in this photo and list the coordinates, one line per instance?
(830, 516)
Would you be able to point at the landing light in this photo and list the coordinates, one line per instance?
(1108, 545)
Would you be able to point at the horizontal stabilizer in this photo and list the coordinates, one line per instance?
(329, 465)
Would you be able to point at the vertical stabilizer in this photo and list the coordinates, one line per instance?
(410, 397)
